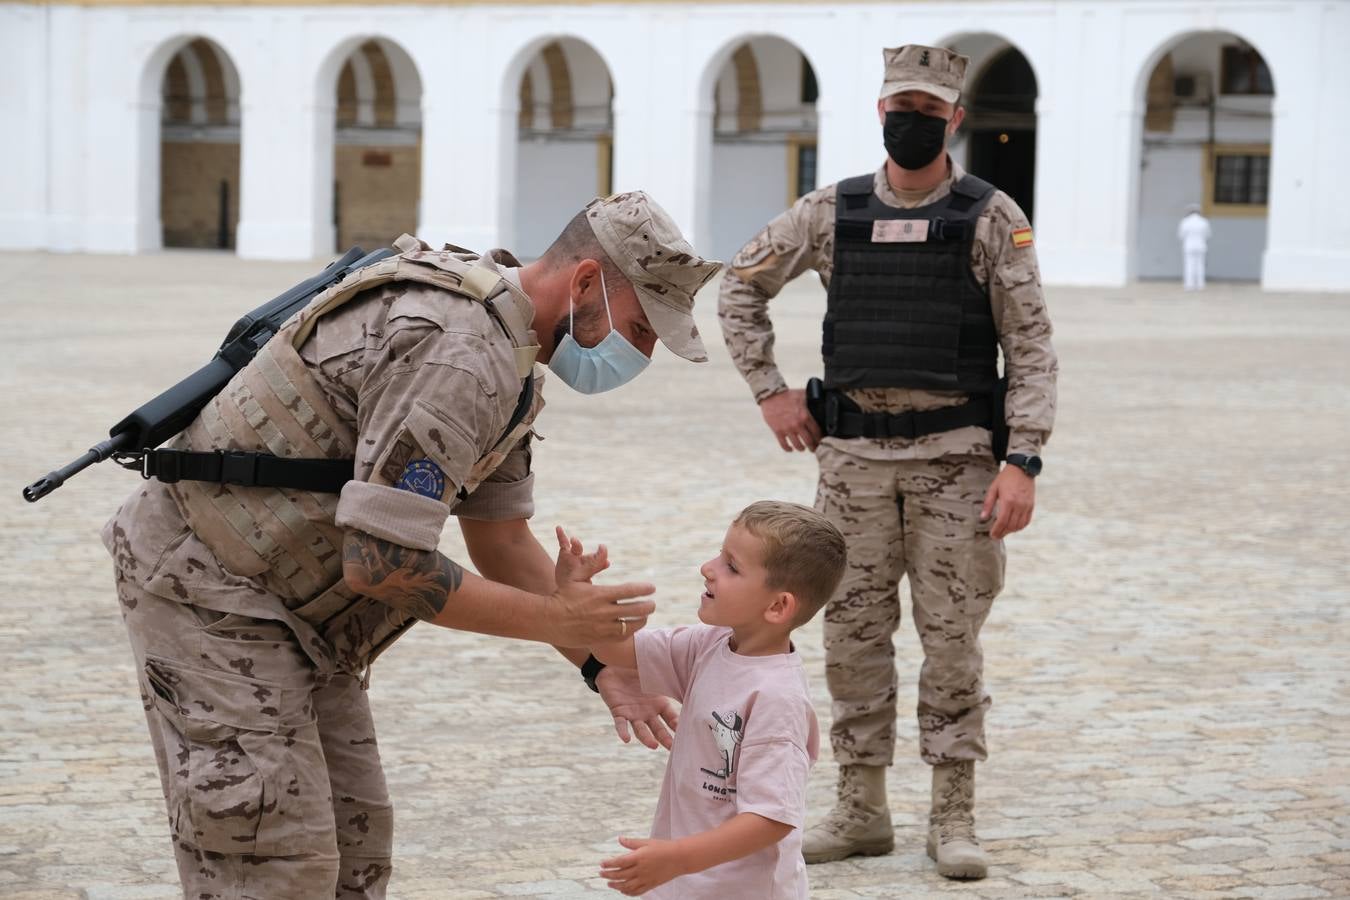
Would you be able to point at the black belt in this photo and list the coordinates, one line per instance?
(845, 422)
(241, 467)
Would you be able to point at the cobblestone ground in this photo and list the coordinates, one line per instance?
(1170, 662)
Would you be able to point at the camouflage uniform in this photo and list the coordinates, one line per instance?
(907, 507)
(251, 653)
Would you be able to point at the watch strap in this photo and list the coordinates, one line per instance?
(1031, 465)
(589, 670)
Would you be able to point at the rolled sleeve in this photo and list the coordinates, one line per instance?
(508, 493)
(391, 514)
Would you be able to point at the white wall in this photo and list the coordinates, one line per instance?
(25, 92)
(73, 79)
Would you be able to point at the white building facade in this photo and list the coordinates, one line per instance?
(489, 124)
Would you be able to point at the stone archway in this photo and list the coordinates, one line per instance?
(199, 148)
(564, 140)
(1206, 140)
(997, 140)
(764, 138)
(377, 146)
(1001, 127)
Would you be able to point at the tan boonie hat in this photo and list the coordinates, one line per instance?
(933, 70)
(645, 243)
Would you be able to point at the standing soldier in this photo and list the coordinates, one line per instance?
(929, 270)
(255, 607)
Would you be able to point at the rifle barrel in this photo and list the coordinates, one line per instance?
(97, 453)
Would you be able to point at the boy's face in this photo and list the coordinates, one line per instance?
(736, 594)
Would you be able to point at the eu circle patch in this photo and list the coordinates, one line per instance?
(422, 476)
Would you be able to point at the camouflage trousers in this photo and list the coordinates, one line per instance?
(273, 783)
(918, 519)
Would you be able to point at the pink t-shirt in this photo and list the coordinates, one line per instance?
(746, 741)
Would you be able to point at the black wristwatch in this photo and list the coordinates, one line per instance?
(1029, 464)
(589, 670)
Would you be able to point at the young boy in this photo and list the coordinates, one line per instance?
(728, 824)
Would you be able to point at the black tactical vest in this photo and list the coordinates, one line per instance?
(904, 309)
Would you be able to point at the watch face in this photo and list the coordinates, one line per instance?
(1032, 466)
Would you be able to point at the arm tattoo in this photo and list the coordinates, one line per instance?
(415, 582)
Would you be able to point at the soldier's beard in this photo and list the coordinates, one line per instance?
(584, 318)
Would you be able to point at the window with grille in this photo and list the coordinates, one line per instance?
(1241, 179)
(1238, 180)
(801, 167)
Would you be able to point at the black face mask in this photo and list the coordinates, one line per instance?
(913, 140)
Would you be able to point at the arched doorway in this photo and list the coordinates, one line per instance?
(1205, 141)
(377, 153)
(997, 140)
(565, 141)
(199, 148)
(1001, 127)
(764, 134)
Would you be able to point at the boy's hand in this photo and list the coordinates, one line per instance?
(573, 564)
(651, 863)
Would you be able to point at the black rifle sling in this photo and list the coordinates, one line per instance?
(251, 469)
(248, 469)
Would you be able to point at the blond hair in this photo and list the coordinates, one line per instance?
(803, 553)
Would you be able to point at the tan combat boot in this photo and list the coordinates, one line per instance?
(859, 824)
(951, 823)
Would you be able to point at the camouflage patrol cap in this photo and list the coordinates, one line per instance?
(645, 243)
(933, 70)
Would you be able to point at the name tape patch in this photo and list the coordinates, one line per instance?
(899, 231)
(1022, 238)
(422, 476)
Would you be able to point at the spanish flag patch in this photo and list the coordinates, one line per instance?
(1022, 238)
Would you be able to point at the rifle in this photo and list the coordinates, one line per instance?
(154, 422)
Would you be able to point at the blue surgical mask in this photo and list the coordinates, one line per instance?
(607, 365)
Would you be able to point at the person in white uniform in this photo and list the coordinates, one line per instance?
(1194, 233)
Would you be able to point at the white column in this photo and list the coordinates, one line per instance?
(286, 148)
(849, 133)
(661, 136)
(1086, 145)
(24, 108)
(119, 209)
(145, 115)
(1308, 232)
(64, 122)
(468, 140)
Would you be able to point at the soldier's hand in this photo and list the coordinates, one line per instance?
(786, 415)
(652, 717)
(585, 614)
(1013, 495)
